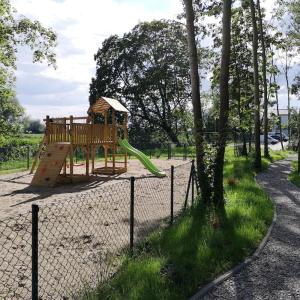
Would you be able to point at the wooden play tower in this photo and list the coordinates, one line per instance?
(105, 124)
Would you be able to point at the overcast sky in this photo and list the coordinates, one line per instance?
(81, 27)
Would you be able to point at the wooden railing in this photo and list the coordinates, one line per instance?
(83, 134)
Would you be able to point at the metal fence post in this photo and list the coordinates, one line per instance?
(184, 152)
(34, 253)
(193, 180)
(28, 157)
(172, 195)
(132, 179)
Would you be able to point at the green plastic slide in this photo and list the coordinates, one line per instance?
(142, 158)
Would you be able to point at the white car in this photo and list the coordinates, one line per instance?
(270, 140)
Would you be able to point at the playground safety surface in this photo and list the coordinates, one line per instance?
(16, 196)
(77, 223)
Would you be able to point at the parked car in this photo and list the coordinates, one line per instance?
(270, 139)
(276, 136)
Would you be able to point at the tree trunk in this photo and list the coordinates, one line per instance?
(257, 162)
(288, 90)
(244, 149)
(171, 134)
(265, 87)
(196, 102)
(224, 106)
(277, 108)
(298, 169)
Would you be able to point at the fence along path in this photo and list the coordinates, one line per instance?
(79, 241)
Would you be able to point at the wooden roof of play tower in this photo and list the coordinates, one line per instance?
(103, 104)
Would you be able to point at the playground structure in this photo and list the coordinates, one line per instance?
(105, 126)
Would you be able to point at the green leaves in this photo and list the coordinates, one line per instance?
(15, 31)
(147, 69)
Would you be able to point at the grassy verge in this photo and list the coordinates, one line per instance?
(174, 262)
(13, 152)
(294, 176)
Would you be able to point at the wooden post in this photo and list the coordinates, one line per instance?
(65, 139)
(88, 149)
(114, 140)
(105, 127)
(87, 160)
(125, 136)
(93, 158)
(28, 157)
(71, 147)
(298, 169)
(47, 131)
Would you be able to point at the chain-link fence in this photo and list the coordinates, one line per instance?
(62, 250)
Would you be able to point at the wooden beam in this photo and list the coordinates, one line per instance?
(114, 139)
(61, 119)
(65, 139)
(87, 160)
(71, 148)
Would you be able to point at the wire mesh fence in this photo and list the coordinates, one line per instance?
(15, 257)
(62, 250)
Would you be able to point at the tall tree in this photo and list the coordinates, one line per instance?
(15, 31)
(196, 102)
(256, 87)
(264, 76)
(241, 76)
(223, 107)
(287, 67)
(298, 169)
(148, 70)
(276, 87)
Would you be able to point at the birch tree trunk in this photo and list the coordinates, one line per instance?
(196, 102)
(257, 162)
(265, 87)
(223, 106)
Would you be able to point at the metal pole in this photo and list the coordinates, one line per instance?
(34, 253)
(28, 157)
(193, 180)
(132, 179)
(172, 195)
(169, 151)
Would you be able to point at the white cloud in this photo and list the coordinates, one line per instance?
(81, 27)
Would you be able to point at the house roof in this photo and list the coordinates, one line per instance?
(103, 104)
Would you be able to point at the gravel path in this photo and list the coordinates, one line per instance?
(276, 273)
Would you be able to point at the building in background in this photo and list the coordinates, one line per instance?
(283, 114)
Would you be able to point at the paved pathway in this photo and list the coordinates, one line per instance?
(276, 273)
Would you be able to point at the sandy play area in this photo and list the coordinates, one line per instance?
(82, 227)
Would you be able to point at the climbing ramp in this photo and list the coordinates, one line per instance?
(51, 163)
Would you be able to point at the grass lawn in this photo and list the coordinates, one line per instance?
(174, 262)
(19, 144)
(294, 176)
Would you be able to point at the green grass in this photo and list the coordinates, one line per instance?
(294, 176)
(13, 166)
(18, 145)
(174, 262)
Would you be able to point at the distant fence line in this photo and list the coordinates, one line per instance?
(62, 250)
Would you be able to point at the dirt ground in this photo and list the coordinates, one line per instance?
(16, 195)
(83, 228)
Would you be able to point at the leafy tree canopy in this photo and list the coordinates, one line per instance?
(148, 70)
(16, 31)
